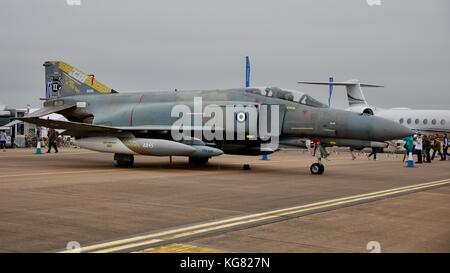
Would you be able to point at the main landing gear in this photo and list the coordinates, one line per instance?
(198, 160)
(319, 152)
(124, 161)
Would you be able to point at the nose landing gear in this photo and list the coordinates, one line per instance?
(317, 168)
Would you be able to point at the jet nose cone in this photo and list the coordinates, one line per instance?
(383, 129)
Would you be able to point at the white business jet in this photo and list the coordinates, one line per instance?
(425, 121)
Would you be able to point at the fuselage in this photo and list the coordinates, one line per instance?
(425, 121)
(300, 116)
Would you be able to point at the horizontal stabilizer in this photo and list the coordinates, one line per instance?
(346, 83)
(49, 110)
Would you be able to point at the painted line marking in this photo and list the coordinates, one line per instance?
(54, 173)
(44, 154)
(181, 248)
(205, 171)
(158, 237)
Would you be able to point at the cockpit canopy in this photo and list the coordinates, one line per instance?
(289, 95)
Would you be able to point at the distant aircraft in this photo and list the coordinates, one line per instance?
(199, 124)
(425, 121)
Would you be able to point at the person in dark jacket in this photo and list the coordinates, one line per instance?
(52, 136)
(437, 148)
(374, 153)
(3, 141)
(426, 149)
(445, 144)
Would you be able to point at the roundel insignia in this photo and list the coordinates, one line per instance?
(241, 117)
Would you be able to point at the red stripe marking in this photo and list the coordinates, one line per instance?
(132, 110)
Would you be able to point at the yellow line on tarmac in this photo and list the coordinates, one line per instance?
(236, 221)
(253, 220)
(181, 248)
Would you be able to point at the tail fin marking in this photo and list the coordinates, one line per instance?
(62, 79)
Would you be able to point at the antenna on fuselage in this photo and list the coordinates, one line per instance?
(247, 85)
(331, 91)
(247, 71)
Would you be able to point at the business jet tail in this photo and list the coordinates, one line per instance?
(355, 94)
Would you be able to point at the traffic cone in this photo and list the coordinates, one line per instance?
(38, 150)
(410, 162)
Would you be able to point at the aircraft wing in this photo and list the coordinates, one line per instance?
(77, 127)
(432, 131)
(84, 129)
(49, 110)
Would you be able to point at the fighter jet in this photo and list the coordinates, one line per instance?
(199, 124)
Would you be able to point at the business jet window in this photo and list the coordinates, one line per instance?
(433, 122)
(425, 121)
(401, 121)
(417, 121)
(409, 121)
(442, 122)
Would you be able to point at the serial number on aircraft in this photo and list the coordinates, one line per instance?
(78, 75)
(148, 145)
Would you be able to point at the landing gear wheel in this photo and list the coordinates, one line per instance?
(317, 168)
(198, 160)
(123, 164)
(124, 161)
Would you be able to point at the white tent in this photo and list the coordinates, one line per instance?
(3, 111)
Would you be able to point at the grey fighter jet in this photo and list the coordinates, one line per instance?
(199, 124)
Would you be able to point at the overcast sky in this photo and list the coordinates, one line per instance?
(153, 45)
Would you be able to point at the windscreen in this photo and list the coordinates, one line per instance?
(289, 95)
(310, 101)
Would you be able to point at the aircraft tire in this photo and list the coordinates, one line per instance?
(198, 160)
(124, 161)
(123, 164)
(317, 169)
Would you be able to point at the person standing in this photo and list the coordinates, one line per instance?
(3, 141)
(445, 146)
(419, 148)
(352, 152)
(374, 153)
(409, 146)
(437, 148)
(427, 149)
(52, 136)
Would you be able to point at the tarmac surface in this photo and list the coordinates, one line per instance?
(49, 200)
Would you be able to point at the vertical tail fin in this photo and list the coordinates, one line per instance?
(64, 80)
(355, 94)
